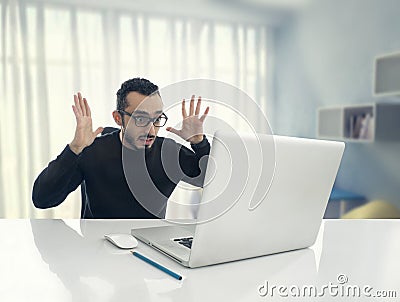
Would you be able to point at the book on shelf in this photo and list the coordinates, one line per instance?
(365, 126)
(361, 126)
(351, 128)
(357, 126)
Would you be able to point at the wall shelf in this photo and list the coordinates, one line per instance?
(387, 75)
(362, 123)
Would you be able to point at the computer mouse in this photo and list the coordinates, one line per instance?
(123, 241)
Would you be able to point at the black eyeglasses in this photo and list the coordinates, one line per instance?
(144, 121)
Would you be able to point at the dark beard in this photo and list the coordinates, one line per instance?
(130, 142)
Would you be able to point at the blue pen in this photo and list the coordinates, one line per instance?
(159, 266)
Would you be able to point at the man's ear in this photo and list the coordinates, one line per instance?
(117, 117)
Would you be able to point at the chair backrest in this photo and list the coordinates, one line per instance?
(375, 209)
(85, 209)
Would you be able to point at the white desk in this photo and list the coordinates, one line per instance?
(55, 260)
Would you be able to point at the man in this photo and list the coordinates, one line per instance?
(131, 172)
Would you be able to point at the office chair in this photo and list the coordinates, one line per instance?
(85, 205)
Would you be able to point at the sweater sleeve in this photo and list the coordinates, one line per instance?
(61, 177)
(194, 164)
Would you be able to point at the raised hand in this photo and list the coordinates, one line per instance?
(84, 135)
(192, 125)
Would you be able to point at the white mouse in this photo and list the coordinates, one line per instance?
(123, 241)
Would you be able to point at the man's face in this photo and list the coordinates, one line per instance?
(142, 108)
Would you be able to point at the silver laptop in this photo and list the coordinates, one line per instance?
(262, 194)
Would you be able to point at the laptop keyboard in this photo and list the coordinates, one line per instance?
(186, 241)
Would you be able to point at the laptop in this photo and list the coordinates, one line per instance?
(262, 194)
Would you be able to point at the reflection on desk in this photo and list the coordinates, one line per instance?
(56, 260)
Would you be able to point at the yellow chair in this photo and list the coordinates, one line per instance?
(375, 209)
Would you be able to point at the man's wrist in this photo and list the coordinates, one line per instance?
(76, 149)
(198, 141)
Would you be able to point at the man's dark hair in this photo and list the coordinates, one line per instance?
(139, 85)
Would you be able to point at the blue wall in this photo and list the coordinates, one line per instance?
(324, 57)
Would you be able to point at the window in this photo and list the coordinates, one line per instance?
(49, 52)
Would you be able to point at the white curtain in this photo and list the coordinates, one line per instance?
(50, 51)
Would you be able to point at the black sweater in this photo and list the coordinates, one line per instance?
(111, 172)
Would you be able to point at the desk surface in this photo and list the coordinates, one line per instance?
(68, 260)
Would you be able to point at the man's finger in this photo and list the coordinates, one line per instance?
(184, 113)
(191, 108)
(75, 111)
(77, 105)
(82, 102)
(203, 117)
(198, 106)
(89, 113)
(98, 131)
(173, 130)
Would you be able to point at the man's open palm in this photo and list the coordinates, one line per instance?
(84, 135)
(192, 124)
